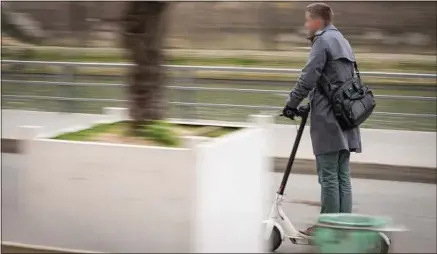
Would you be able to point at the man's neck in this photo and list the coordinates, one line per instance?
(311, 37)
(323, 27)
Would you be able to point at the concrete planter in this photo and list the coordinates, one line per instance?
(129, 198)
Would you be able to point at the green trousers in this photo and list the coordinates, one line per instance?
(334, 178)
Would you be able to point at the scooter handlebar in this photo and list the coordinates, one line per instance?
(301, 110)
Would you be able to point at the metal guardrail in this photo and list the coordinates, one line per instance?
(66, 79)
(223, 68)
(212, 89)
(194, 104)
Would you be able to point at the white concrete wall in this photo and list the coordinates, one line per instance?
(401, 148)
(232, 188)
(103, 197)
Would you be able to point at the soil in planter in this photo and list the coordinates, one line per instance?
(157, 134)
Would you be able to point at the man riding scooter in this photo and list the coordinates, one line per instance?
(331, 61)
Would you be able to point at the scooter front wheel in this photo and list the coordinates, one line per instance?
(275, 239)
(382, 246)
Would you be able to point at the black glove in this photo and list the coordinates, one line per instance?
(289, 112)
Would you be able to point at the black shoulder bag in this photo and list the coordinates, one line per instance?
(352, 102)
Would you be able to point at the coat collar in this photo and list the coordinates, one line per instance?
(329, 27)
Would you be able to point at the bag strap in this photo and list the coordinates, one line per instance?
(356, 70)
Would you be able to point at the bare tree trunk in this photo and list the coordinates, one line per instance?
(144, 26)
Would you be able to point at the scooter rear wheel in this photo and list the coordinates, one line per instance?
(275, 239)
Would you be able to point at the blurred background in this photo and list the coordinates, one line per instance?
(223, 61)
(263, 43)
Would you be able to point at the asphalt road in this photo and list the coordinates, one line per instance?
(410, 204)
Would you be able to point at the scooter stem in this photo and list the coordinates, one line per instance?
(303, 113)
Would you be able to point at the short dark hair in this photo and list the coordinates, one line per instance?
(322, 11)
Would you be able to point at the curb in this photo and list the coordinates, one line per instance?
(367, 171)
(12, 247)
(10, 146)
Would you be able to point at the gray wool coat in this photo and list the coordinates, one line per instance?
(330, 61)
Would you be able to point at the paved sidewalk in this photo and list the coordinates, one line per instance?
(48, 121)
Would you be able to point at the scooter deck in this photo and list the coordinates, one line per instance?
(301, 240)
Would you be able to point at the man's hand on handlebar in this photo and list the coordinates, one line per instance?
(293, 112)
(289, 112)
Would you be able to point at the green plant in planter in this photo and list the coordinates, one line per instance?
(221, 132)
(161, 132)
(158, 131)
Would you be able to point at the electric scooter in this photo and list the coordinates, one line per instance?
(278, 227)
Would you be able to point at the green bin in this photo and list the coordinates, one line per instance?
(350, 233)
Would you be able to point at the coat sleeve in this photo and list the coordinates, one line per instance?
(310, 73)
